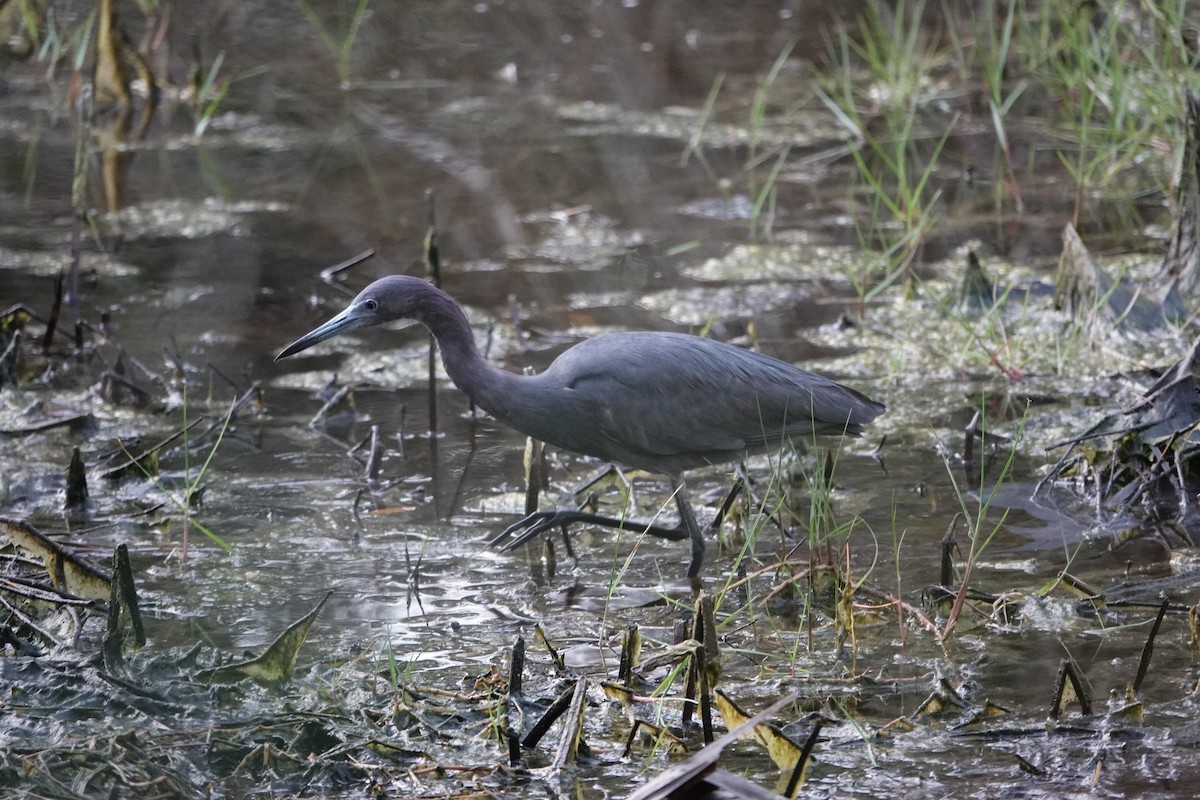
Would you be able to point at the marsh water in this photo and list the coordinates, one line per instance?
(584, 177)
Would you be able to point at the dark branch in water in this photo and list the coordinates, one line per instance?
(329, 273)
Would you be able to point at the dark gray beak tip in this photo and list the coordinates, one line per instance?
(291, 349)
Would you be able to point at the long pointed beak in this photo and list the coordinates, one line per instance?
(351, 319)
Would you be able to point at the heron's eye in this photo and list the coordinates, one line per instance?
(371, 305)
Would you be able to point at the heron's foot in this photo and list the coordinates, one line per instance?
(527, 529)
(542, 522)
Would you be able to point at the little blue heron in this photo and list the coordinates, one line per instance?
(660, 402)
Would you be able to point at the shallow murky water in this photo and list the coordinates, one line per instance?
(576, 182)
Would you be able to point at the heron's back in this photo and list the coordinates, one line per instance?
(669, 402)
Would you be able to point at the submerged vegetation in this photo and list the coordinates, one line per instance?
(962, 208)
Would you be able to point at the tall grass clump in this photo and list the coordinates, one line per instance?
(879, 91)
(1085, 93)
(761, 153)
(1117, 74)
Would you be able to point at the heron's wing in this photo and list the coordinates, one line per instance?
(660, 396)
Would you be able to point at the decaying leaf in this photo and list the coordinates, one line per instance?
(123, 609)
(276, 663)
(1069, 688)
(77, 488)
(782, 750)
(572, 733)
(68, 572)
(699, 774)
(977, 292)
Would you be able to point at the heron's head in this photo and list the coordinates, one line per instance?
(386, 299)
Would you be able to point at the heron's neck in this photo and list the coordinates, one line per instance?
(465, 365)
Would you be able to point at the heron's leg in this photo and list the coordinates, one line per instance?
(687, 521)
(534, 525)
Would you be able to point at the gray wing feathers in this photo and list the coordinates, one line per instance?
(665, 396)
